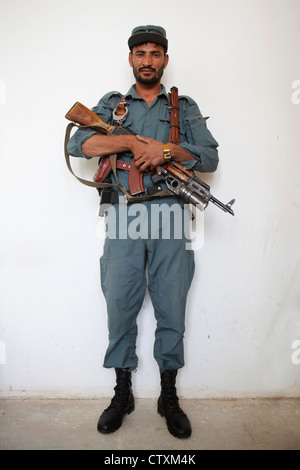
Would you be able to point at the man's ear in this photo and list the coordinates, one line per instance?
(166, 60)
(130, 59)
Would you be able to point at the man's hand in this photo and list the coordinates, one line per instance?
(148, 154)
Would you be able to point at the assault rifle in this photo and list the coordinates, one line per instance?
(179, 180)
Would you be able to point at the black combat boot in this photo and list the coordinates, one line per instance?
(122, 403)
(168, 406)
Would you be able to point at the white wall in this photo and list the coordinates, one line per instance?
(238, 59)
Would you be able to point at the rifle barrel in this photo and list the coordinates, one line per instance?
(224, 207)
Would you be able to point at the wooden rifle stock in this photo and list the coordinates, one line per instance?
(85, 117)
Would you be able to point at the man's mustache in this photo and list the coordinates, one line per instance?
(146, 68)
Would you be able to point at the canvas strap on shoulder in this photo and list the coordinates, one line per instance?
(92, 184)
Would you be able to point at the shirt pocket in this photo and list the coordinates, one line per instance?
(163, 131)
(196, 132)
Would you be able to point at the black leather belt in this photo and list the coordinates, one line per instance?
(110, 196)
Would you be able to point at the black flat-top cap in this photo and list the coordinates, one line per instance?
(150, 33)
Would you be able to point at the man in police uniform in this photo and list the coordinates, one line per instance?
(170, 265)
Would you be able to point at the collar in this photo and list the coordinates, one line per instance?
(133, 94)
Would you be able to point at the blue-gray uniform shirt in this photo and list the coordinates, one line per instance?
(154, 121)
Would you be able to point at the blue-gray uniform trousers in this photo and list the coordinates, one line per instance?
(170, 269)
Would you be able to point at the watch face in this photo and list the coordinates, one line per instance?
(166, 153)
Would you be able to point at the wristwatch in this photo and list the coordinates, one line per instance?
(167, 153)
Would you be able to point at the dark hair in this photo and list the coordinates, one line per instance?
(164, 48)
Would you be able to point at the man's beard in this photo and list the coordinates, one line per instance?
(151, 80)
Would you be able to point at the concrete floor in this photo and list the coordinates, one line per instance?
(58, 424)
